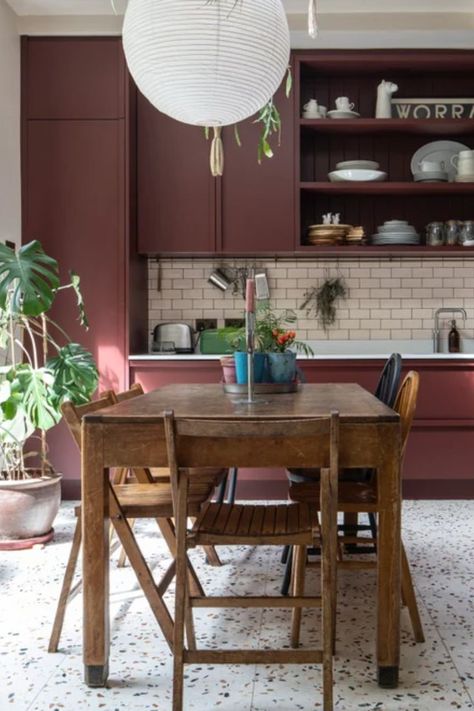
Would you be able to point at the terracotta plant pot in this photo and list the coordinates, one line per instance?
(28, 508)
(228, 369)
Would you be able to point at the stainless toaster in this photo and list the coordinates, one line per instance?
(173, 338)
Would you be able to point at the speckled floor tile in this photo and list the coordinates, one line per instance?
(436, 676)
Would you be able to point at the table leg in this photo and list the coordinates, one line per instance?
(389, 563)
(95, 526)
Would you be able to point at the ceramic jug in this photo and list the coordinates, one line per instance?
(383, 107)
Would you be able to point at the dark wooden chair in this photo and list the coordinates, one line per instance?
(233, 524)
(386, 391)
(361, 496)
(138, 494)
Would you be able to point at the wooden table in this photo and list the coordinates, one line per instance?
(131, 434)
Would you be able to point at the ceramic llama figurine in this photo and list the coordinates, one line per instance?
(383, 108)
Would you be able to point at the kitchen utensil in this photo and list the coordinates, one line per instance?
(178, 334)
(219, 279)
(262, 292)
(363, 164)
(339, 114)
(438, 151)
(347, 175)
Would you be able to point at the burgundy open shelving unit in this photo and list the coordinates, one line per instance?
(321, 143)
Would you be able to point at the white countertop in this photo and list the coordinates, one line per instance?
(345, 350)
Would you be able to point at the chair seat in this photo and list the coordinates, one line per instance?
(155, 500)
(349, 492)
(253, 525)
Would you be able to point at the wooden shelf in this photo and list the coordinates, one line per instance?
(438, 127)
(388, 188)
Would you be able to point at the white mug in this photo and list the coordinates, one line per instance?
(342, 103)
(464, 162)
(431, 166)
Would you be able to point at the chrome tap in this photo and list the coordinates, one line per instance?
(447, 310)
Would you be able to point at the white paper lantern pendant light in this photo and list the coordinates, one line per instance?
(207, 62)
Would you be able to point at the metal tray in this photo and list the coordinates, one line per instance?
(270, 388)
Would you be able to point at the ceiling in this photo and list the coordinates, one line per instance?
(104, 7)
(343, 23)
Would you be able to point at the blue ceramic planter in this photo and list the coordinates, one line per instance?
(282, 367)
(240, 359)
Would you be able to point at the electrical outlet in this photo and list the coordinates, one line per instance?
(204, 324)
(234, 322)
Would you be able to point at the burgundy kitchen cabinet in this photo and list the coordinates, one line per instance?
(176, 193)
(257, 201)
(443, 425)
(182, 209)
(76, 174)
(73, 78)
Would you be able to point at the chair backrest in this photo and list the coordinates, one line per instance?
(405, 404)
(201, 443)
(73, 414)
(389, 380)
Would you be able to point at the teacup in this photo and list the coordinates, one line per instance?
(343, 104)
(311, 109)
(431, 166)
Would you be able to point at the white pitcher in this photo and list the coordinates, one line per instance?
(383, 107)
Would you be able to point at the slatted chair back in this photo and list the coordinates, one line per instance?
(389, 380)
(405, 404)
(73, 414)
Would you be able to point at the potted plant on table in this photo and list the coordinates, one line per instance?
(275, 345)
(40, 371)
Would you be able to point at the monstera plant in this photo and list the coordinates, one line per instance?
(42, 368)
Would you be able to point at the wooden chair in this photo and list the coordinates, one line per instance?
(232, 524)
(360, 496)
(144, 497)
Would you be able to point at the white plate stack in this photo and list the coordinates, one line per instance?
(396, 232)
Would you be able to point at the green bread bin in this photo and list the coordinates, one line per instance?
(214, 342)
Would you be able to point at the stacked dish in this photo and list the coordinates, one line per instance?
(327, 234)
(356, 235)
(396, 232)
(356, 175)
(343, 114)
(357, 164)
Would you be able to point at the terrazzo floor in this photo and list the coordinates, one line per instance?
(435, 676)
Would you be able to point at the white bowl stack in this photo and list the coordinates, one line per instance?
(356, 170)
(396, 232)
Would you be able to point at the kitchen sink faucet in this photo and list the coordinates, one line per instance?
(436, 332)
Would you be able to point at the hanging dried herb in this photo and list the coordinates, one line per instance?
(321, 300)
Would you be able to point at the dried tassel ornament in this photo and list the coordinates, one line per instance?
(217, 153)
(312, 20)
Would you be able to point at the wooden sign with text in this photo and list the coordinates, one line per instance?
(433, 108)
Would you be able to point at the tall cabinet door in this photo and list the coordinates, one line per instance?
(74, 181)
(176, 194)
(257, 201)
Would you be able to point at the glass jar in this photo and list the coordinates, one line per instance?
(435, 234)
(452, 232)
(466, 234)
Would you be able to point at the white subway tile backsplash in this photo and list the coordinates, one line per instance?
(387, 298)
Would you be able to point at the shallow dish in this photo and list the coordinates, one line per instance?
(364, 164)
(337, 114)
(427, 176)
(356, 175)
(390, 229)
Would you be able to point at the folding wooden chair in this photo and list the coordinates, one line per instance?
(143, 498)
(198, 441)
